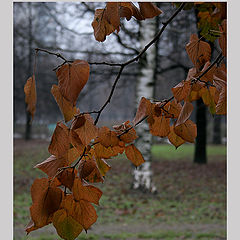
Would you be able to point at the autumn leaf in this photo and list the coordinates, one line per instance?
(173, 109)
(52, 164)
(81, 211)
(174, 138)
(187, 131)
(128, 134)
(72, 77)
(82, 191)
(160, 127)
(84, 126)
(30, 95)
(221, 107)
(208, 95)
(103, 152)
(223, 37)
(128, 9)
(66, 177)
(67, 227)
(60, 141)
(67, 108)
(46, 200)
(144, 109)
(102, 166)
(101, 26)
(134, 155)
(185, 113)
(112, 14)
(107, 137)
(149, 10)
(181, 90)
(198, 51)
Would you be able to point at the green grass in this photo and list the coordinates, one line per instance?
(167, 151)
(187, 193)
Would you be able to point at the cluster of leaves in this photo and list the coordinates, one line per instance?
(79, 147)
(107, 20)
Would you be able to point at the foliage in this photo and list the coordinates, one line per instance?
(78, 149)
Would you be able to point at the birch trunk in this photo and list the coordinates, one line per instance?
(142, 176)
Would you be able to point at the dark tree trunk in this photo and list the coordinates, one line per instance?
(28, 115)
(200, 154)
(217, 130)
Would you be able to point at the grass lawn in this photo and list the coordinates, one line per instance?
(190, 203)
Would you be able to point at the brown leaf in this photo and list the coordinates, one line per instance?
(30, 95)
(86, 192)
(84, 127)
(102, 166)
(198, 51)
(67, 227)
(221, 107)
(107, 137)
(134, 155)
(66, 177)
(181, 90)
(103, 152)
(129, 135)
(185, 113)
(59, 144)
(160, 127)
(112, 14)
(128, 9)
(72, 77)
(149, 10)
(144, 109)
(174, 138)
(67, 108)
(46, 200)
(101, 26)
(88, 169)
(52, 164)
(187, 131)
(223, 37)
(173, 109)
(81, 211)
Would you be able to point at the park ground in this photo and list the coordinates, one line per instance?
(190, 203)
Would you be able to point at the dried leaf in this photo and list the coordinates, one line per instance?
(181, 90)
(30, 95)
(46, 200)
(128, 9)
(134, 155)
(59, 144)
(149, 10)
(223, 37)
(67, 227)
(84, 127)
(112, 14)
(174, 138)
(67, 108)
(101, 26)
(160, 127)
(185, 113)
(221, 107)
(198, 51)
(86, 192)
(107, 137)
(144, 109)
(67, 177)
(187, 131)
(72, 77)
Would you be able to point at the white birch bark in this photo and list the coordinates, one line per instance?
(145, 87)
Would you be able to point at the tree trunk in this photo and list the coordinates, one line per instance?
(217, 130)
(28, 115)
(145, 87)
(200, 154)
